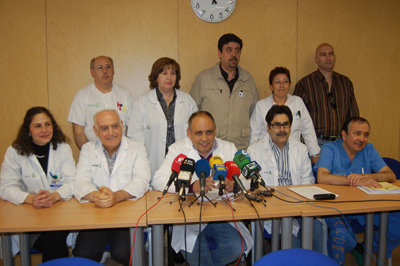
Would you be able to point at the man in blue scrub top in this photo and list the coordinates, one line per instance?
(354, 162)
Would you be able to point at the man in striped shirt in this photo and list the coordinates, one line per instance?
(328, 95)
(284, 161)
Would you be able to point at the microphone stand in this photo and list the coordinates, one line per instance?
(202, 195)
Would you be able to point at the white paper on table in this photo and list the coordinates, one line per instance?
(309, 191)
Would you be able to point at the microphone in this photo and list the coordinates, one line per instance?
(218, 172)
(243, 152)
(249, 169)
(176, 165)
(233, 174)
(185, 176)
(202, 171)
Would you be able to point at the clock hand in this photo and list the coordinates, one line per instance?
(214, 2)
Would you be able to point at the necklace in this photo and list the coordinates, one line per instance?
(40, 156)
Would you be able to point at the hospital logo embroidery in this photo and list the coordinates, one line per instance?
(121, 107)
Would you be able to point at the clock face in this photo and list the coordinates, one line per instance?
(213, 10)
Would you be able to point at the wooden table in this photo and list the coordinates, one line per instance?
(70, 215)
(347, 193)
(166, 212)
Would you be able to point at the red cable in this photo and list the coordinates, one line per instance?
(134, 235)
(237, 228)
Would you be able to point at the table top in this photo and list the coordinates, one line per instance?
(347, 193)
(167, 210)
(70, 215)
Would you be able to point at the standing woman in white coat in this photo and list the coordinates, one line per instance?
(39, 169)
(302, 125)
(159, 117)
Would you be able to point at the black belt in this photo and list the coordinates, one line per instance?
(330, 138)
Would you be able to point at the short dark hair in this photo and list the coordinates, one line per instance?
(159, 66)
(24, 144)
(278, 109)
(227, 38)
(279, 70)
(199, 113)
(349, 120)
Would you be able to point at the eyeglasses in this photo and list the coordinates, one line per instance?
(278, 125)
(279, 82)
(332, 100)
(101, 67)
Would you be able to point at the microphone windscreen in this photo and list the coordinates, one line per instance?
(187, 165)
(244, 153)
(215, 160)
(240, 160)
(202, 166)
(232, 169)
(176, 164)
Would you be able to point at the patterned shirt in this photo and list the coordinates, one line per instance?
(328, 109)
(282, 163)
(111, 160)
(169, 112)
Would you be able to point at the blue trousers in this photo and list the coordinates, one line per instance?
(220, 245)
(318, 243)
(340, 240)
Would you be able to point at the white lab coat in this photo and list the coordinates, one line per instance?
(226, 150)
(131, 170)
(299, 164)
(148, 124)
(21, 175)
(302, 124)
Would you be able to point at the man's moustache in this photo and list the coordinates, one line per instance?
(281, 134)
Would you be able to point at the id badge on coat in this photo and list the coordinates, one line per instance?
(56, 181)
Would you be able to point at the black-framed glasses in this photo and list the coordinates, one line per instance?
(332, 100)
(278, 125)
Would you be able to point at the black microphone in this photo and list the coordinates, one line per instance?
(233, 174)
(185, 176)
(175, 168)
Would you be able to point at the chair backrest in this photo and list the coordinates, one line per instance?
(394, 165)
(295, 256)
(71, 261)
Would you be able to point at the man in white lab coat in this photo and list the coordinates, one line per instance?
(202, 143)
(284, 161)
(109, 171)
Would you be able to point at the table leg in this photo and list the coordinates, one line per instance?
(382, 238)
(287, 232)
(258, 239)
(7, 253)
(24, 245)
(369, 227)
(307, 233)
(275, 234)
(157, 234)
(138, 251)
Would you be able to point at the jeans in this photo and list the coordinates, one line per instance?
(318, 243)
(220, 245)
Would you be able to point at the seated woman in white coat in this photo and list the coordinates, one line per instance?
(279, 83)
(159, 117)
(39, 169)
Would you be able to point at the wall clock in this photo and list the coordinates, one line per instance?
(213, 10)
